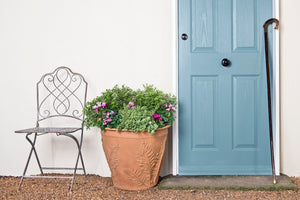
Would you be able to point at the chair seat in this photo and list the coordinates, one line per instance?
(49, 130)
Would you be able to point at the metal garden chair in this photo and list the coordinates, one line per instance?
(60, 95)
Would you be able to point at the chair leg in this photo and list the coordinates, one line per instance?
(81, 158)
(75, 169)
(78, 156)
(34, 150)
(29, 157)
(25, 169)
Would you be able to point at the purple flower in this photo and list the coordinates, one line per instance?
(127, 106)
(99, 104)
(103, 104)
(95, 107)
(104, 114)
(133, 97)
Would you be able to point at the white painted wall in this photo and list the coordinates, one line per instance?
(109, 42)
(290, 82)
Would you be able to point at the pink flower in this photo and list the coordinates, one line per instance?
(104, 114)
(95, 108)
(168, 109)
(133, 97)
(112, 112)
(155, 116)
(173, 108)
(109, 120)
(99, 104)
(170, 106)
(104, 123)
(130, 105)
(103, 104)
(160, 119)
(165, 105)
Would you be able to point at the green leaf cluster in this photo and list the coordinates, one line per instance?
(137, 119)
(115, 99)
(153, 98)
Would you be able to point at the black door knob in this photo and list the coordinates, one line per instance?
(184, 36)
(225, 62)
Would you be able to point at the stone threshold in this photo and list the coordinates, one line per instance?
(227, 183)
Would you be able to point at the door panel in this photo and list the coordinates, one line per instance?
(244, 20)
(223, 127)
(203, 25)
(244, 101)
(203, 98)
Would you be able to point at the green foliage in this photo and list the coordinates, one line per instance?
(137, 119)
(157, 100)
(92, 118)
(115, 99)
(153, 98)
(124, 108)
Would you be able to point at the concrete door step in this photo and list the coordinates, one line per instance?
(227, 182)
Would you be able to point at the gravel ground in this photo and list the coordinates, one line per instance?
(96, 187)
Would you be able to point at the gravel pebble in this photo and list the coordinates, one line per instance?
(96, 187)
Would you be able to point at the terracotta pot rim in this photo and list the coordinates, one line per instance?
(125, 130)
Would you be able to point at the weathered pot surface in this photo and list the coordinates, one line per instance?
(134, 159)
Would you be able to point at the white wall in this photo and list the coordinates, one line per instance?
(290, 82)
(109, 42)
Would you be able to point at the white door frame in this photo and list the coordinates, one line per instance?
(276, 81)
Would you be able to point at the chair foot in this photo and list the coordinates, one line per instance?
(20, 184)
(71, 187)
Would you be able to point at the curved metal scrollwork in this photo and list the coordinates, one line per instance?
(61, 93)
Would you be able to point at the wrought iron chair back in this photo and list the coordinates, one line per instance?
(61, 93)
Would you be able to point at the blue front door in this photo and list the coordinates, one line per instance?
(223, 121)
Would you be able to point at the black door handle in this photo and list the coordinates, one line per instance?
(225, 62)
(184, 36)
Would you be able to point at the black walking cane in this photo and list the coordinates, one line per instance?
(266, 24)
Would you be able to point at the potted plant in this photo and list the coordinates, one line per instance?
(134, 127)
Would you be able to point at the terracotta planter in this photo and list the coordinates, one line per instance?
(134, 159)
